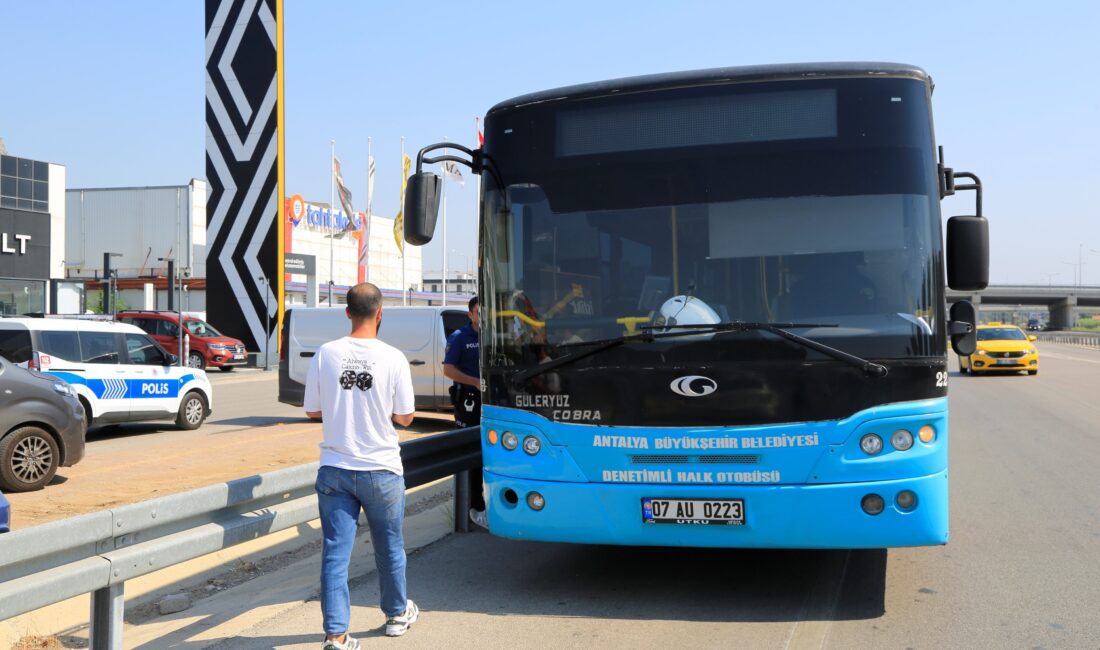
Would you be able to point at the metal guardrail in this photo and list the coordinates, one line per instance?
(1085, 339)
(98, 552)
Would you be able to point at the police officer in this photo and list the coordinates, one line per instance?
(462, 365)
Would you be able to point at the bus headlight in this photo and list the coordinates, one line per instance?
(509, 441)
(906, 500)
(536, 501)
(901, 440)
(871, 444)
(926, 434)
(531, 445)
(872, 504)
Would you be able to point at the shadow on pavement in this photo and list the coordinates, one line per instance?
(489, 575)
(262, 420)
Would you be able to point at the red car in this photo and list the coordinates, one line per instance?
(209, 347)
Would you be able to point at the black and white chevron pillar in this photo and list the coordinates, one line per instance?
(242, 162)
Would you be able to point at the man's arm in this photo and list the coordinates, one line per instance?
(404, 399)
(311, 401)
(452, 372)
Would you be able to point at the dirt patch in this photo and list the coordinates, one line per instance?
(156, 464)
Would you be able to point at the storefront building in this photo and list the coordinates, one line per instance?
(346, 253)
(32, 238)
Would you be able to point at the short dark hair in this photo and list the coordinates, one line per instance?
(364, 299)
(473, 304)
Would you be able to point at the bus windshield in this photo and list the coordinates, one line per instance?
(611, 214)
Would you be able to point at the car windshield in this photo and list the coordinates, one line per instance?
(200, 328)
(1001, 334)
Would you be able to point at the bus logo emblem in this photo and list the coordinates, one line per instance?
(693, 386)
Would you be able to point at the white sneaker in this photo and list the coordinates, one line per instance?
(398, 625)
(348, 644)
(480, 518)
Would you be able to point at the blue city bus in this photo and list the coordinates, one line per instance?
(712, 308)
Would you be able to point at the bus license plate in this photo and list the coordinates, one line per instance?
(729, 512)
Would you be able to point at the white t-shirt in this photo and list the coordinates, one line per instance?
(357, 384)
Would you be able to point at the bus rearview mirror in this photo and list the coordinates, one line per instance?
(961, 328)
(967, 253)
(421, 207)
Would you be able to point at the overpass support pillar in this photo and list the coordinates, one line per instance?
(1063, 314)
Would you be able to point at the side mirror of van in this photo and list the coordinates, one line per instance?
(421, 207)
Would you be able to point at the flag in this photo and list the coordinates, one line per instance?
(450, 170)
(364, 252)
(480, 139)
(399, 220)
(345, 196)
(370, 183)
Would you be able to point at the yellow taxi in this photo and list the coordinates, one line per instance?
(1002, 348)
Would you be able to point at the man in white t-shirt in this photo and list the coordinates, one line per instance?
(359, 387)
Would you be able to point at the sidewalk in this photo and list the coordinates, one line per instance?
(226, 614)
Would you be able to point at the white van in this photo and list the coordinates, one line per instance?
(420, 332)
(118, 372)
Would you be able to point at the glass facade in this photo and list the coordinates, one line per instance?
(22, 297)
(24, 184)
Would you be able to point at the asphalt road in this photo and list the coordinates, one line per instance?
(1022, 569)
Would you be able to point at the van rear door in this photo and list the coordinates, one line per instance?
(306, 330)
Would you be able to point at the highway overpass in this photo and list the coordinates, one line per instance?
(1065, 303)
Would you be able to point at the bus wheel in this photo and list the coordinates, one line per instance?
(192, 411)
(28, 459)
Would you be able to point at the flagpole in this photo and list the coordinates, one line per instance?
(404, 288)
(477, 190)
(331, 215)
(444, 232)
(366, 234)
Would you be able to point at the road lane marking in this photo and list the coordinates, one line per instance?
(1067, 357)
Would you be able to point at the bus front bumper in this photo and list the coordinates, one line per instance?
(776, 516)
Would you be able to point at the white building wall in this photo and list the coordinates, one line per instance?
(139, 223)
(384, 260)
(57, 221)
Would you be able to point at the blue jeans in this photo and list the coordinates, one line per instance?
(340, 495)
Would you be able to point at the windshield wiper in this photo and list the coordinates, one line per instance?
(648, 335)
(780, 330)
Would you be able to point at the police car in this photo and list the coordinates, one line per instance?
(118, 372)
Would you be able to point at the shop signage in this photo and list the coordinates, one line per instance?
(24, 244)
(298, 213)
(302, 264)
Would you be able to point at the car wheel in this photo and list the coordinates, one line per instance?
(1032, 372)
(29, 459)
(195, 360)
(226, 368)
(192, 411)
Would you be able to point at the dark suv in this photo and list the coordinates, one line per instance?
(209, 347)
(42, 427)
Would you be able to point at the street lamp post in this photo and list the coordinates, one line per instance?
(267, 322)
(108, 274)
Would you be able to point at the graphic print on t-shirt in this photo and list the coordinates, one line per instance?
(355, 375)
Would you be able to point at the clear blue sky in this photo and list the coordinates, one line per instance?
(115, 90)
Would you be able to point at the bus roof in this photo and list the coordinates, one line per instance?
(775, 72)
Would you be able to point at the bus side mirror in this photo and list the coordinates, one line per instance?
(967, 253)
(421, 207)
(964, 338)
